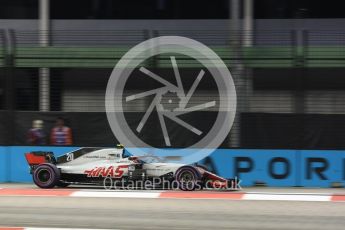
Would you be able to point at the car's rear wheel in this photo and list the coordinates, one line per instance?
(46, 176)
(188, 178)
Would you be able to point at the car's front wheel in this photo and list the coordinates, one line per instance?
(46, 176)
(188, 178)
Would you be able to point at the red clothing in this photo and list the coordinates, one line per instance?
(61, 136)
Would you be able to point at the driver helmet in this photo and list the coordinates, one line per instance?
(120, 146)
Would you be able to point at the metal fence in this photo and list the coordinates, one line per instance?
(290, 84)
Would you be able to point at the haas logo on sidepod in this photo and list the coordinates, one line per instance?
(113, 172)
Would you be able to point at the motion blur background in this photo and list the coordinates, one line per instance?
(287, 58)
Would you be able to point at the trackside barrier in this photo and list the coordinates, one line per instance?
(310, 168)
(274, 167)
(4, 173)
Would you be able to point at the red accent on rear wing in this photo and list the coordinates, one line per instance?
(34, 159)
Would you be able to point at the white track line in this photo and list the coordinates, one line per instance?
(292, 193)
(159, 194)
(291, 197)
(116, 194)
(250, 196)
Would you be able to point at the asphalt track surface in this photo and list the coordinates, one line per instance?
(137, 213)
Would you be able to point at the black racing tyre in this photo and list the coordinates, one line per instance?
(46, 176)
(188, 178)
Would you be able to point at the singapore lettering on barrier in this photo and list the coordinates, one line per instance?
(315, 167)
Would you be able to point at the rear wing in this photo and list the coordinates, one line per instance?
(40, 157)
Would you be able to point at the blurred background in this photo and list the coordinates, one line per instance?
(287, 58)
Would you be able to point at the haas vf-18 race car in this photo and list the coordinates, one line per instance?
(95, 166)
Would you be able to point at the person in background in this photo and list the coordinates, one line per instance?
(36, 135)
(61, 134)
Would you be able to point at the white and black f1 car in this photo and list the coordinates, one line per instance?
(96, 165)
